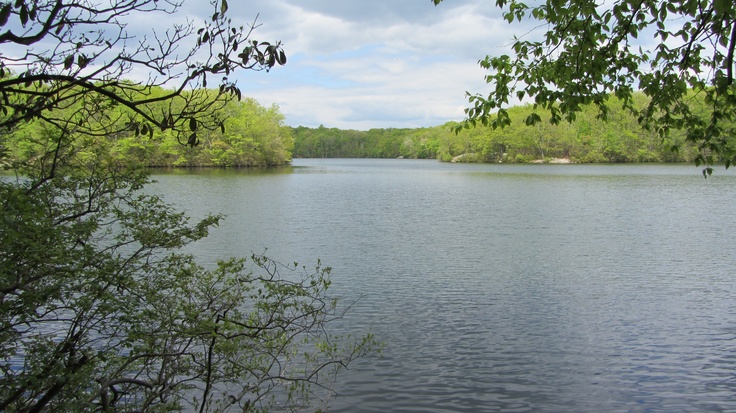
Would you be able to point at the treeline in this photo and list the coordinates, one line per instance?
(325, 142)
(252, 135)
(588, 139)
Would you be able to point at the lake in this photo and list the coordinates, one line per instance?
(513, 288)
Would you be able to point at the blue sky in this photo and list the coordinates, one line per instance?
(373, 64)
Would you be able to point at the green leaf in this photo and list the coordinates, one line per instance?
(23, 15)
(722, 7)
(68, 61)
(82, 61)
(4, 14)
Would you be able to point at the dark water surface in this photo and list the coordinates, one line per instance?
(513, 288)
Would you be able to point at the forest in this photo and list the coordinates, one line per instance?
(588, 139)
(254, 135)
(250, 135)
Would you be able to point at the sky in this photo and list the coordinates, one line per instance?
(372, 64)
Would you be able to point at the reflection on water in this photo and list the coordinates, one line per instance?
(505, 287)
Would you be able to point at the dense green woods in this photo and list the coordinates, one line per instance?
(252, 135)
(325, 142)
(620, 138)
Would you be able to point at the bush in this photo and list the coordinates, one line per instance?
(101, 311)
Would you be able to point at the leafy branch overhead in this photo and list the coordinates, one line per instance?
(584, 51)
(56, 54)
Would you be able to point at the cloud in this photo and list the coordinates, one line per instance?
(362, 92)
(360, 65)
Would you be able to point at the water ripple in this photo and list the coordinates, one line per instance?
(523, 289)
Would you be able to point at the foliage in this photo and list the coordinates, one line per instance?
(587, 139)
(375, 143)
(253, 136)
(98, 310)
(74, 53)
(669, 50)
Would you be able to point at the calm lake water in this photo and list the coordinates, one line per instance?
(513, 288)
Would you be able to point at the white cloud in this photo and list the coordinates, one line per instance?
(371, 94)
(360, 65)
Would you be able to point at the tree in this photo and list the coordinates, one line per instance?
(61, 53)
(99, 312)
(99, 308)
(672, 51)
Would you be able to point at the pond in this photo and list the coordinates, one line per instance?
(514, 288)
